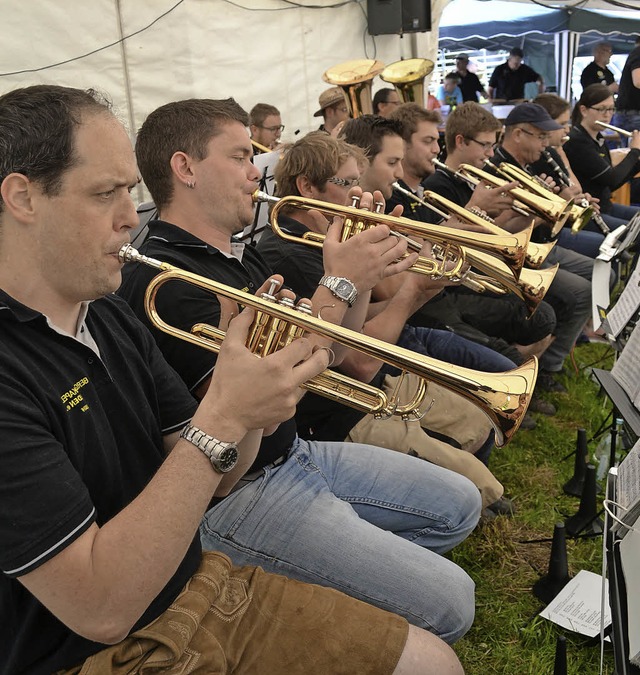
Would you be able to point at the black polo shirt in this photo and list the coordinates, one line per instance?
(317, 417)
(509, 84)
(81, 438)
(412, 208)
(453, 189)
(628, 95)
(470, 86)
(591, 162)
(595, 74)
(183, 305)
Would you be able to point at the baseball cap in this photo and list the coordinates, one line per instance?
(462, 57)
(328, 98)
(531, 113)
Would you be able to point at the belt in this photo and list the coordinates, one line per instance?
(248, 477)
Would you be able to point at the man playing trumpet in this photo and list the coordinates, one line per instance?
(320, 512)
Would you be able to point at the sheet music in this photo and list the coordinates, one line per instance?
(577, 606)
(628, 490)
(626, 306)
(630, 558)
(266, 163)
(600, 296)
(626, 369)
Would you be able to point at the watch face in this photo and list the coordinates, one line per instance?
(344, 287)
(228, 458)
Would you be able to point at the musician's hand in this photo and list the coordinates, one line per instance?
(369, 256)
(594, 202)
(247, 392)
(550, 182)
(492, 200)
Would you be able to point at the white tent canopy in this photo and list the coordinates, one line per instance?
(144, 53)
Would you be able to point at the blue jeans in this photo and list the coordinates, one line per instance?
(586, 242)
(445, 345)
(369, 522)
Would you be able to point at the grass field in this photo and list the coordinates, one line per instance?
(508, 637)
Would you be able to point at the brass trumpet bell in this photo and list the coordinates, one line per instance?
(354, 78)
(408, 78)
(503, 397)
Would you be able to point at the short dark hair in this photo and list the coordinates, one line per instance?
(182, 126)
(37, 131)
(516, 51)
(591, 95)
(453, 75)
(555, 105)
(467, 120)
(367, 132)
(410, 115)
(381, 96)
(260, 112)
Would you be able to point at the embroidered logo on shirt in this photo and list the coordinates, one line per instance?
(73, 398)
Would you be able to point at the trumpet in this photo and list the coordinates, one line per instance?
(622, 132)
(535, 253)
(447, 241)
(578, 215)
(503, 397)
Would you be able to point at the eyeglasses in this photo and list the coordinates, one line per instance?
(485, 146)
(279, 127)
(344, 182)
(543, 138)
(602, 110)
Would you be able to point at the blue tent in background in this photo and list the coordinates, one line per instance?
(550, 38)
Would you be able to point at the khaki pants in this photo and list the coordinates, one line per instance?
(450, 416)
(242, 620)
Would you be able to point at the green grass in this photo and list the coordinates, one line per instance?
(508, 637)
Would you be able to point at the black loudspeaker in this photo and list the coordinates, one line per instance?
(388, 17)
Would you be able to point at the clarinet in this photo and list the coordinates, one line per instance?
(564, 179)
(561, 176)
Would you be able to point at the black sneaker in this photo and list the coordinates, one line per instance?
(547, 382)
(540, 405)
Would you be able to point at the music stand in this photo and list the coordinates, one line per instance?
(617, 590)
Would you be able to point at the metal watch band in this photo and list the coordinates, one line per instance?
(334, 284)
(223, 455)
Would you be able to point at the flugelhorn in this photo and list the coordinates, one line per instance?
(533, 202)
(503, 396)
(537, 252)
(575, 214)
(530, 287)
(354, 78)
(408, 76)
(447, 241)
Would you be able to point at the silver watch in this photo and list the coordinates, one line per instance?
(223, 455)
(341, 287)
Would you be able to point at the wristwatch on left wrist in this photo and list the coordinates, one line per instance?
(223, 455)
(341, 287)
